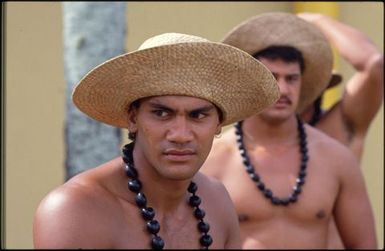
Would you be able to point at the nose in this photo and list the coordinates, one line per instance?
(283, 86)
(180, 131)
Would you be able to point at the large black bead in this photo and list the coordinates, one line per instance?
(246, 162)
(293, 198)
(127, 149)
(275, 200)
(268, 193)
(300, 181)
(304, 158)
(254, 177)
(249, 169)
(153, 226)
(203, 227)
(157, 242)
(199, 213)
(303, 144)
(131, 171)
(141, 200)
(261, 186)
(297, 190)
(134, 185)
(192, 188)
(127, 160)
(285, 201)
(302, 174)
(304, 150)
(194, 201)
(206, 240)
(148, 213)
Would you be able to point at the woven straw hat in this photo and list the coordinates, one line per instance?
(177, 64)
(277, 28)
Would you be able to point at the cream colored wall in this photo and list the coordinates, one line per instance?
(35, 87)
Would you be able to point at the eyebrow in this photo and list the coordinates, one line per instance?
(205, 108)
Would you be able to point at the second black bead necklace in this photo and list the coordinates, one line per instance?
(257, 179)
(148, 213)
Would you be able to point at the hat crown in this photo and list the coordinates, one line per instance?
(287, 29)
(170, 38)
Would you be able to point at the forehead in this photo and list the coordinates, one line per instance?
(279, 65)
(172, 101)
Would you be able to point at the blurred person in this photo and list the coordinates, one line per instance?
(287, 179)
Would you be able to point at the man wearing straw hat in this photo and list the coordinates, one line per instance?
(173, 95)
(287, 179)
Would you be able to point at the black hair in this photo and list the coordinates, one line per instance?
(317, 113)
(286, 53)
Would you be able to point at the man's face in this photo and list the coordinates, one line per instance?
(288, 76)
(174, 134)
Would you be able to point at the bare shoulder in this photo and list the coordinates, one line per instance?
(329, 150)
(222, 153)
(72, 215)
(210, 184)
(220, 210)
(214, 191)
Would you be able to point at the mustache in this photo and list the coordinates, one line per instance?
(285, 99)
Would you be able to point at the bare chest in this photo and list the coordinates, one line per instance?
(279, 174)
(176, 232)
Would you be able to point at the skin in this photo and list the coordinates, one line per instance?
(95, 209)
(349, 119)
(272, 144)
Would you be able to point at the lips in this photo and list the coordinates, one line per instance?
(179, 155)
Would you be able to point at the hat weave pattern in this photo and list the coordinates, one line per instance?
(285, 29)
(177, 64)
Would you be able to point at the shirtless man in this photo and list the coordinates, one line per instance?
(287, 179)
(173, 95)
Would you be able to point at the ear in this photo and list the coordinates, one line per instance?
(132, 121)
(219, 129)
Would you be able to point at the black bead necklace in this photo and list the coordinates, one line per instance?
(148, 213)
(257, 179)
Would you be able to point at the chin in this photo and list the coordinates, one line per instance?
(178, 172)
(277, 116)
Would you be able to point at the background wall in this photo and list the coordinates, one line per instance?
(35, 87)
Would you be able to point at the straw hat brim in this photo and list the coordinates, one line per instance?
(285, 29)
(231, 79)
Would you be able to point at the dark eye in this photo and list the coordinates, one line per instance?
(160, 113)
(198, 115)
(293, 78)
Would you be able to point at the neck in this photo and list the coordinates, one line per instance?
(262, 131)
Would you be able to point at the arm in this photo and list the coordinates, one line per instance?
(363, 94)
(353, 213)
